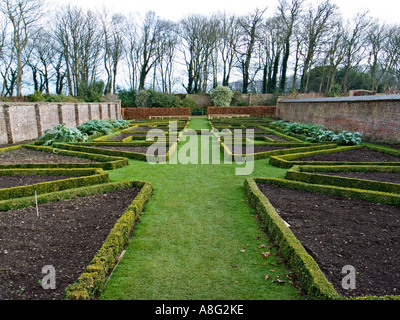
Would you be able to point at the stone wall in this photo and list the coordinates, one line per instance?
(20, 122)
(376, 117)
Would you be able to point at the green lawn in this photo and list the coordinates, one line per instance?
(189, 242)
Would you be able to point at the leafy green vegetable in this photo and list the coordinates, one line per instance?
(316, 133)
(61, 133)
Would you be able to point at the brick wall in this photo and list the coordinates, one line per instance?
(21, 122)
(145, 113)
(378, 118)
(252, 111)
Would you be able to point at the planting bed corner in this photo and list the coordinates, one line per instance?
(19, 183)
(80, 232)
(377, 178)
(29, 156)
(353, 155)
(322, 229)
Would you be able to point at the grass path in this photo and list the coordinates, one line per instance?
(189, 242)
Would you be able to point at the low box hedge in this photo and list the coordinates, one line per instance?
(290, 160)
(79, 178)
(92, 281)
(268, 154)
(307, 271)
(102, 161)
(89, 148)
(315, 175)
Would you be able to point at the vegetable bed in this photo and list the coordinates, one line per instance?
(338, 231)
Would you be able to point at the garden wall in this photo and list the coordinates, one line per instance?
(203, 100)
(146, 113)
(376, 117)
(21, 122)
(252, 111)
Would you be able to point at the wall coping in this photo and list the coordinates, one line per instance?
(388, 97)
(11, 104)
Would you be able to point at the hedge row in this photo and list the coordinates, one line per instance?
(91, 283)
(146, 113)
(103, 161)
(307, 174)
(309, 275)
(257, 111)
(288, 161)
(268, 154)
(305, 268)
(86, 177)
(117, 153)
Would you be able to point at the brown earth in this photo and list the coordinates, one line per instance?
(67, 235)
(337, 232)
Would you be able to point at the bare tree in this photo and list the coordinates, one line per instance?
(166, 53)
(316, 24)
(289, 14)
(270, 47)
(378, 42)
(24, 16)
(229, 37)
(113, 40)
(335, 54)
(199, 40)
(355, 41)
(78, 35)
(249, 28)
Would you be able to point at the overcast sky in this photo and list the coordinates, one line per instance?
(385, 10)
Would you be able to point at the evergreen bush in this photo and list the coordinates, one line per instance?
(221, 96)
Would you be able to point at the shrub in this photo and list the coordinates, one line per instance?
(127, 97)
(91, 92)
(188, 102)
(162, 100)
(221, 96)
(142, 99)
(61, 98)
(37, 96)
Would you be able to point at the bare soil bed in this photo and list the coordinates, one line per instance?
(24, 156)
(258, 149)
(356, 155)
(394, 146)
(125, 135)
(142, 128)
(275, 137)
(392, 177)
(142, 149)
(25, 180)
(67, 236)
(337, 231)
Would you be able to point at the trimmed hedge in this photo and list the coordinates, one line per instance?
(307, 271)
(92, 281)
(88, 148)
(310, 277)
(314, 175)
(103, 161)
(288, 161)
(86, 177)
